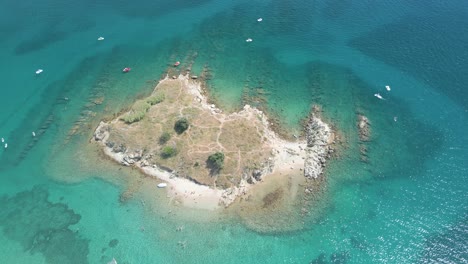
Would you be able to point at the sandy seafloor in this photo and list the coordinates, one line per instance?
(61, 201)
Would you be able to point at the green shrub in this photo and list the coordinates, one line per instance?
(168, 152)
(137, 112)
(132, 117)
(181, 125)
(216, 160)
(155, 99)
(141, 106)
(164, 138)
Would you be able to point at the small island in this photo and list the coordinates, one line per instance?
(208, 158)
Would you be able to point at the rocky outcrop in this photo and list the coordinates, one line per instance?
(319, 137)
(364, 128)
(364, 132)
(102, 132)
(120, 152)
(255, 175)
(230, 194)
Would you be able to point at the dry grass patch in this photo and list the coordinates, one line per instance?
(187, 153)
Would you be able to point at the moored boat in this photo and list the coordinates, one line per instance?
(378, 96)
(162, 185)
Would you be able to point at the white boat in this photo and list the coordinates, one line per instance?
(395, 118)
(162, 185)
(249, 40)
(34, 134)
(3, 140)
(39, 71)
(6, 145)
(378, 96)
(260, 19)
(387, 87)
(100, 38)
(113, 261)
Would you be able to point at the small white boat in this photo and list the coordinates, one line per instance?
(162, 185)
(6, 145)
(249, 40)
(34, 134)
(100, 38)
(387, 87)
(379, 96)
(3, 140)
(260, 19)
(395, 118)
(113, 261)
(39, 71)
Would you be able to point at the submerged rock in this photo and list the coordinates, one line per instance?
(364, 128)
(41, 226)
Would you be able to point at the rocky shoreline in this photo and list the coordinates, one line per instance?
(319, 139)
(308, 155)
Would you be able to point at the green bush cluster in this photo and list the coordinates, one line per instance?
(216, 160)
(164, 138)
(168, 152)
(155, 99)
(132, 117)
(141, 106)
(181, 125)
(137, 112)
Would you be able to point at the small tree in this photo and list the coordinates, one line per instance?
(164, 138)
(216, 160)
(181, 125)
(168, 152)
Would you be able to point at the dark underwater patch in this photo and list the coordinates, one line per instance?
(153, 9)
(335, 258)
(41, 226)
(336, 8)
(113, 243)
(432, 47)
(40, 41)
(320, 259)
(291, 16)
(57, 30)
(447, 247)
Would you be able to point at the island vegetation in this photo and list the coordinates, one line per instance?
(213, 156)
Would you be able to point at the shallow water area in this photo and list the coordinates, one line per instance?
(404, 201)
(272, 206)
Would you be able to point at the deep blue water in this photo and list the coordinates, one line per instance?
(63, 203)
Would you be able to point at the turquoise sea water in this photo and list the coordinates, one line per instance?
(63, 203)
